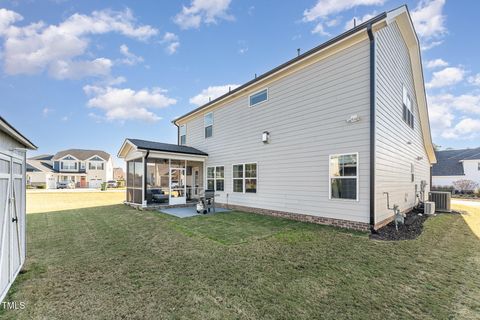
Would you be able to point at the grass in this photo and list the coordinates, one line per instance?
(46, 201)
(115, 262)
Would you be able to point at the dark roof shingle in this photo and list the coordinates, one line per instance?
(448, 161)
(166, 147)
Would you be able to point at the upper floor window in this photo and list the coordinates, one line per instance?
(407, 108)
(95, 164)
(82, 165)
(208, 124)
(344, 176)
(68, 165)
(258, 97)
(479, 166)
(216, 178)
(183, 134)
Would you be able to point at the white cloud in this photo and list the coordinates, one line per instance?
(62, 69)
(46, 111)
(431, 64)
(58, 49)
(319, 29)
(211, 93)
(440, 113)
(324, 8)
(475, 80)
(172, 42)
(446, 77)
(429, 22)
(467, 103)
(127, 104)
(467, 128)
(368, 16)
(203, 11)
(129, 58)
(7, 18)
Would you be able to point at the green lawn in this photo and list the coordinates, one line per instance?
(113, 262)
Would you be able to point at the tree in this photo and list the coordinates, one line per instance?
(465, 185)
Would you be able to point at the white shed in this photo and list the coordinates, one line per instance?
(13, 147)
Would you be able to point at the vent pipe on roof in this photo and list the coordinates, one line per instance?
(298, 52)
(209, 99)
(354, 22)
(255, 76)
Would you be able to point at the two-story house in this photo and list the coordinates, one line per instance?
(455, 165)
(86, 168)
(324, 137)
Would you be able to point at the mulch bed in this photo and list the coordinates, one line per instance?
(412, 228)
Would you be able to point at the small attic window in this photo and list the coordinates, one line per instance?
(258, 97)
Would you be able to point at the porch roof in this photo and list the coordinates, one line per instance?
(162, 147)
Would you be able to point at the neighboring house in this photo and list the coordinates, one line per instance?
(321, 138)
(454, 165)
(118, 174)
(13, 147)
(86, 168)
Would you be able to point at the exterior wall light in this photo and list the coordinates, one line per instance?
(265, 136)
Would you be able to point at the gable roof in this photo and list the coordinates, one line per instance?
(165, 147)
(449, 162)
(8, 129)
(45, 157)
(39, 166)
(81, 154)
(400, 15)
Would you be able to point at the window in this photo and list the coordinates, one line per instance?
(245, 178)
(208, 124)
(82, 165)
(258, 97)
(479, 166)
(183, 135)
(407, 108)
(68, 165)
(412, 172)
(95, 165)
(216, 178)
(344, 176)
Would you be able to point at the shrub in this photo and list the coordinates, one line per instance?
(42, 186)
(450, 189)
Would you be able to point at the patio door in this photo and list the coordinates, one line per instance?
(177, 186)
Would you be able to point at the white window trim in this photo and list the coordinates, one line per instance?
(407, 94)
(215, 177)
(244, 178)
(256, 104)
(180, 134)
(69, 162)
(205, 126)
(330, 177)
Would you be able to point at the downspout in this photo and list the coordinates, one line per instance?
(372, 126)
(145, 175)
(178, 132)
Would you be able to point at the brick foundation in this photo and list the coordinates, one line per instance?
(360, 226)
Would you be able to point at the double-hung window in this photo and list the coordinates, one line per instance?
(216, 178)
(258, 97)
(183, 135)
(407, 108)
(208, 124)
(245, 178)
(344, 176)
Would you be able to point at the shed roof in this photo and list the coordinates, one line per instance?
(165, 147)
(10, 130)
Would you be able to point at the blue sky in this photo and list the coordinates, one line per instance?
(87, 74)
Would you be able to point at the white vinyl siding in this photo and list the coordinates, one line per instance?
(305, 115)
(397, 145)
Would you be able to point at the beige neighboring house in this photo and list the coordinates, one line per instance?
(86, 168)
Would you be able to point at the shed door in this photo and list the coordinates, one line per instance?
(17, 224)
(5, 271)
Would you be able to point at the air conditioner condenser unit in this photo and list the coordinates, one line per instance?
(429, 208)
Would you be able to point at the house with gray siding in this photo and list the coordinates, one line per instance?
(455, 165)
(323, 137)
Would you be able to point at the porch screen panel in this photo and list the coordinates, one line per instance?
(157, 180)
(134, 181)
